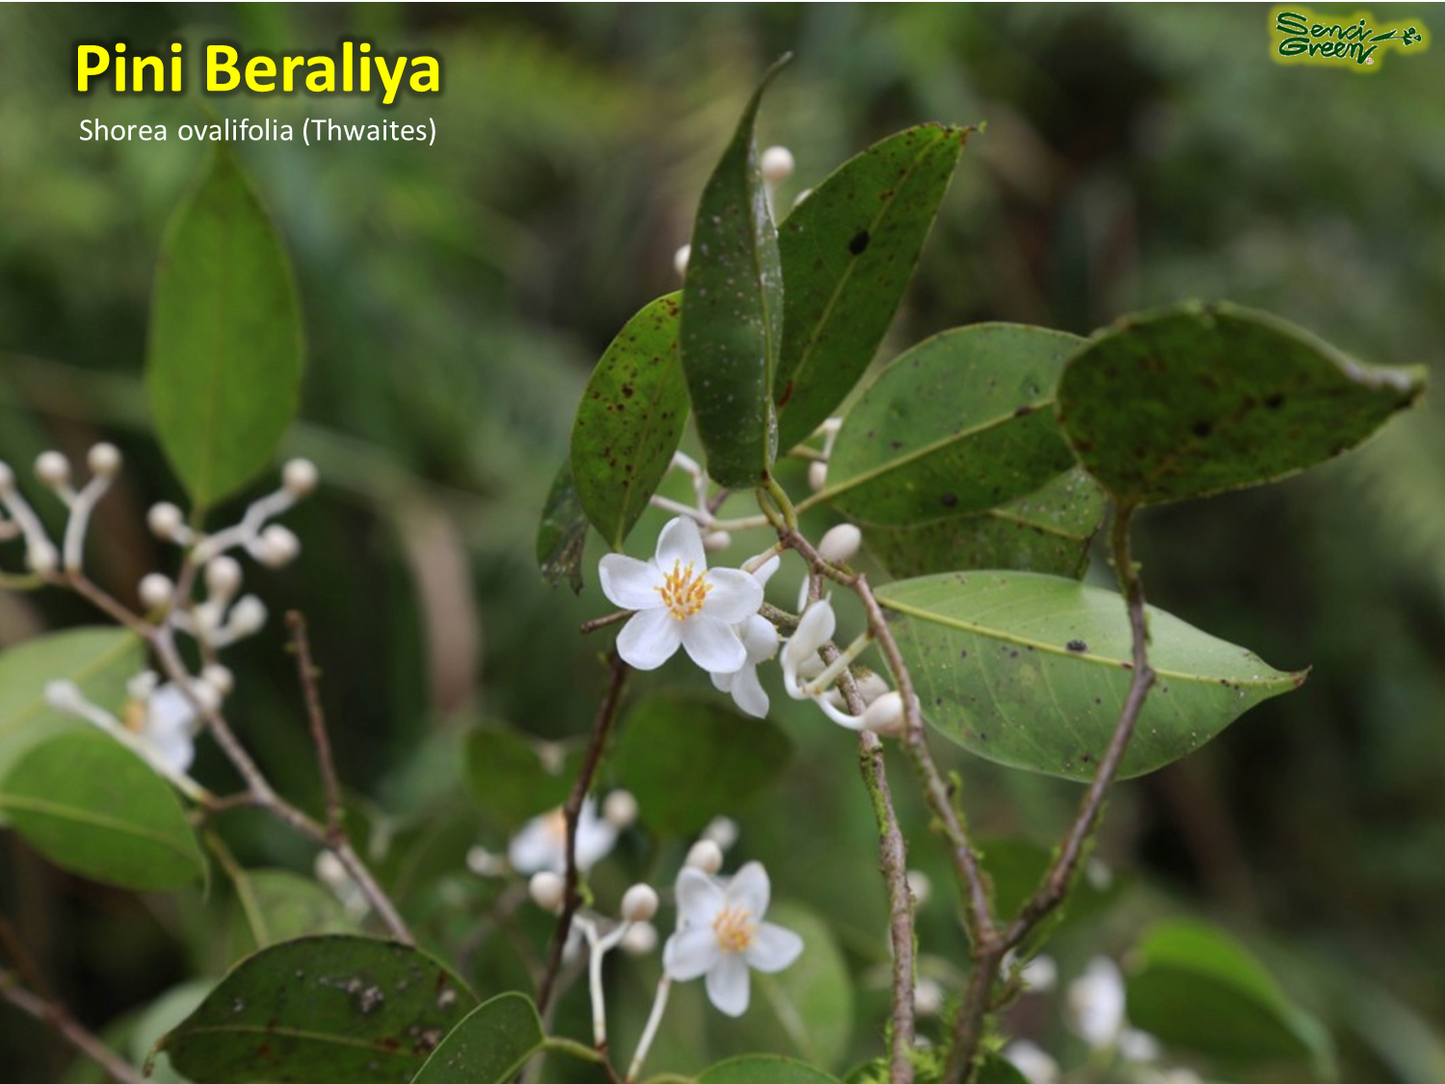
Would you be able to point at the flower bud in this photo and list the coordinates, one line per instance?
(7, 478)
(928, 998)
(223, 577)
(64, 696)
(547, 890)
(840, 544)
(140, 687)
(639, 903)
(330, 871)
(299, 477)
(921, 885)
(640, 939)
(164, 520)
(680, 258)
(721, 830)
(619, 809)
(885, 715)
(705, 855)
(155, 591)
(40, 555)
(716, 541)
(777, 164)
(870, 686)
(219, 678)
(817, 475)
(53, 469)
(208, 697)
(1041, 974)
(248, 616)
(103, 460)
(277, 546)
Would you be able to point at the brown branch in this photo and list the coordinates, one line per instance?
(57, 1016)
(601, 727)
(603, 621)
(306, 669)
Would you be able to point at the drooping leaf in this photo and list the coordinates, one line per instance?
(848, 251)
(1199, 399)
(281, 906)
(225, 354)
(1048, 530)
(763, 1069)
(688, 759)
(630, 420)
(318, 1010)
(1197, 988)
(562, 533)
(1032, 671)
(812, 1000)
(732, 312)
(960, 424)
(489, 1047)
(93, 807)
(509, 778)
(99, 660)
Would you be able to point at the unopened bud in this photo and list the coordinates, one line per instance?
(223, 577)
(870, 686)
(299, 477)
(680, 258)
(64, 696)
(885, 715)
(155, 591)
(639, 903)
(140, 687)
(921, 885)
(927, 998)
(247, 616)
(103, 460)
(817, 475)
(723, 831)
(840, 544)
(640, 939)
(219, 678)
(716, 541)
(277, 546)
(777, 164)
(208, 697)
(164, 520)
(547, 890)
(41, 557)
(53, 469)
(619, 809)
(705, 855)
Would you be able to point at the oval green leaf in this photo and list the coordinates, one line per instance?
(960, 424)
(93, 807)
(732, 312)
(1048, 530)
(1198, 399)
(848, 251)
(508, 777)
(319, 1010)
(489, 1047)
(763, 1069)
(1031, 671)
(562, 533)
(1195, 987)
(279, 905)
(100, 660)
(630, 420)
(225, 352)
(688, 759)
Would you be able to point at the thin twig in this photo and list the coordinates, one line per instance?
(601, 727)
(71, 1030)
(335, 828)
(602, 622)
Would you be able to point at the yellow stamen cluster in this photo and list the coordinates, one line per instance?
(734, 928)
(683, 591)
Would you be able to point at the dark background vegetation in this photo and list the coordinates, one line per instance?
(457, 295)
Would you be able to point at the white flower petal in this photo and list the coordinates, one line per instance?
(710, 643)
(594, 843)
(749, 889)
(1096, 1000)
(681, 541)
(699, 898)
(764, 572)
(176, 750)
(815, 628)
(748, 692)
(649, 639)
(735, 595)
(533, 849)
(727, 985)
(723, 683)
(773, 948)
(630, 583)
(690, 952)
(760, 638)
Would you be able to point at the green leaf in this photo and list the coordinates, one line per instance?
(508, 777)
(813, 999)
(848, 251)
(1197, 399)
(489, 1047)
(1048, 530)
(1032, 671)
(1197, 988)
(99, 660)
(763, 1069)
(562, 533)
(164, 1013)
(93, 807)
(225, 354)
(281, 906)
(732, 312)
(688, 759)
(320, 1010)
(960, 424)
(630, 420)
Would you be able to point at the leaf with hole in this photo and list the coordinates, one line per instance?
(225, 355)
(1199, 399)
(93, 807)
(1032, 671)
(732, 312)
(848, 251)
(318, 1010)
(960, 424)
(491, 1046)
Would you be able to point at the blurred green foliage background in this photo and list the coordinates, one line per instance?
(457, 295)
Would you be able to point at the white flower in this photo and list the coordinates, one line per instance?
(169, 726)
(1096, 1002)
(721, 933)
(679, 602)
(760, 641)
(542, 842)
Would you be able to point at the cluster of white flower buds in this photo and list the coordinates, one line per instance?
(52, 469)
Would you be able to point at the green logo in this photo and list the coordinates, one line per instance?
(1356, 42)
